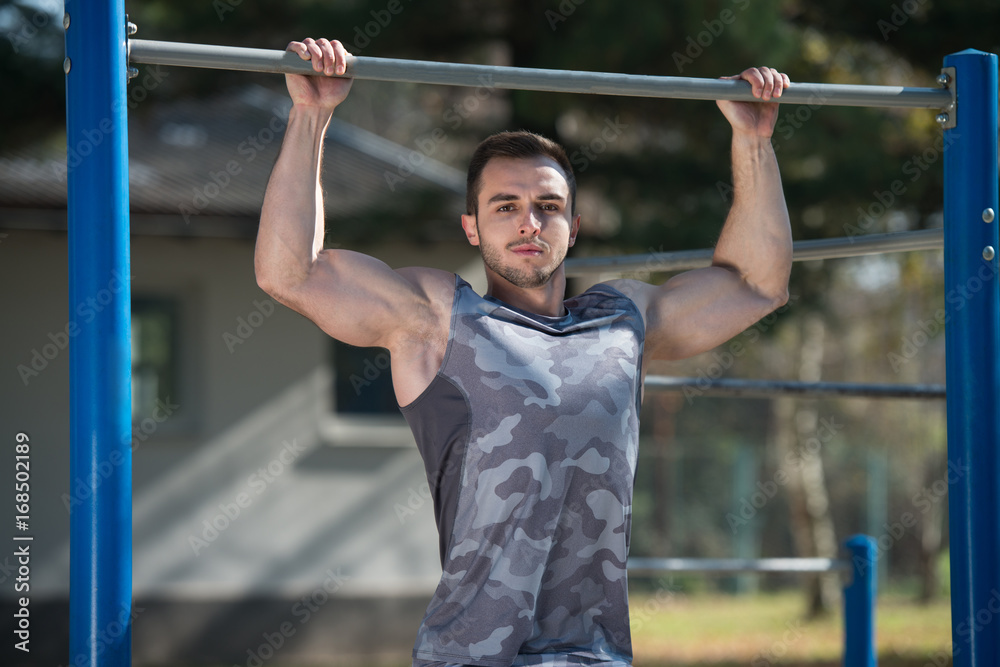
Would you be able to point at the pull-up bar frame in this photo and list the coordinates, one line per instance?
(802, 251)
(100, 372)
(152, 52)
(859, 590)
(739, 387)
(736, 565)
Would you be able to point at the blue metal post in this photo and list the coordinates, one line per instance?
(972, 306)
(859, 603)
(100, 354)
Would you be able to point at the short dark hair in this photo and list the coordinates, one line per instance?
(519, 144)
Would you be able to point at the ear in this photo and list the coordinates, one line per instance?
(574, 229)
(471, 229)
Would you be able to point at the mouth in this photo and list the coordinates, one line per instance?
(527, 250)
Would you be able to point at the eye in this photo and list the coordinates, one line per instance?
(505, 208)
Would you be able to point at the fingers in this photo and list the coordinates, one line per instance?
(326, 56)
(340, 57)
(765, 82)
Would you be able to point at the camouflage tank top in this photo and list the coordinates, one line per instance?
(529, 435)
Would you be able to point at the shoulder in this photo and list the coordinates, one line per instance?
(435, 284)
(636, 290)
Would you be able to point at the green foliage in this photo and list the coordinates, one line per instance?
(31, 72)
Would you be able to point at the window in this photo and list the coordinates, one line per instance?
(362, 381)
(154, 355)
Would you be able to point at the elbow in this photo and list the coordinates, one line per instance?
(771, 291)
(779, 295)
(282, 282)
(265, 283)
(271, 284)
(774, 289)
(779, 298)
(265, 278)
(769, 296)
(774, 298)
(278, 291)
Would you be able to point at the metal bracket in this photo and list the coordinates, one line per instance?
(948, 118)
(130, 29)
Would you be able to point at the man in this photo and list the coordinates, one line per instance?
(524, 405)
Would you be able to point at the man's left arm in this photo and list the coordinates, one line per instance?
(700, 309)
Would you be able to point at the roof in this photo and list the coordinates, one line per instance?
(200, 160)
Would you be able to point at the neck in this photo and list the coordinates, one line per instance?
(544, 300)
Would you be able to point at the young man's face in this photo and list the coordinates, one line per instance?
(525, 224)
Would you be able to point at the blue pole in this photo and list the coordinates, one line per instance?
(100, 354)
(972, 305)
(859, 603)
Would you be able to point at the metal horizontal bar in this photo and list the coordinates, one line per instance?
(763, 388)
(734, 565)
(682, 260)
(561, 81)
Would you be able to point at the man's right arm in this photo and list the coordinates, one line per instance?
(353, 297)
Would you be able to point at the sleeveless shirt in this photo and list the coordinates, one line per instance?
(529, 436)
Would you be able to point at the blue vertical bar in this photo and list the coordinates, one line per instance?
(859, 603)
(972, 300)
(100, 354)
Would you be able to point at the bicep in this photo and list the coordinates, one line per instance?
(360, 300)
(698, 310)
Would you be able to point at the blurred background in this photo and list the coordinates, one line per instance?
(281, 512)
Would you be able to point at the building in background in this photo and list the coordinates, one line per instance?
(278, 495)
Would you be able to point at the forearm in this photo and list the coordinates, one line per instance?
(756, 240)
(291, 229)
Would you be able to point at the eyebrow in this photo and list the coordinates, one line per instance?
(505, 196)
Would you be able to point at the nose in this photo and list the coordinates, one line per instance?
(529, 225)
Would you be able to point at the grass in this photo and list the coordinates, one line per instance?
(759, 630)
(766, 630)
